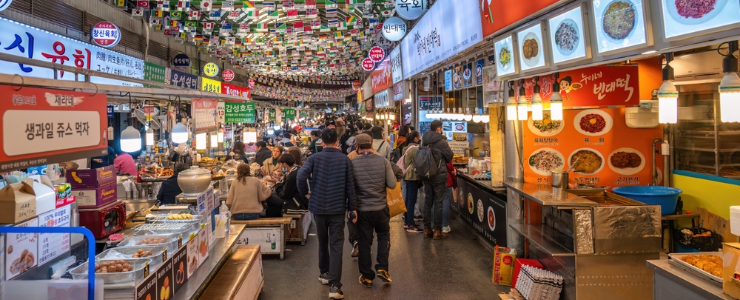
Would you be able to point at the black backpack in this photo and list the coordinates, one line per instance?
(396, 154)
(427, 167)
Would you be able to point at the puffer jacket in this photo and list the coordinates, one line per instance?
(332, 182)
(373, 173)
(408, 161)
(441, 151)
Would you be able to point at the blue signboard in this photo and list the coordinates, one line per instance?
(181, 79)
(110, 111)
(448, 80)
(181, 60)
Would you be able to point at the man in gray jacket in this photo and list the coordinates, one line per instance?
(373, 174)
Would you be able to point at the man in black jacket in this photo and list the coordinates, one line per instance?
(287, 189)
(263, 153)
(435, 188)
(170, 189)
(331, 195)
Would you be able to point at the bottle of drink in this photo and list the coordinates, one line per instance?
(224, 211)
(272, 245)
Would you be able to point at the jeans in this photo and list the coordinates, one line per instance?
(411, 192)
(245, 216)
(435, 192)
(330, 231)
(446, 207)
(367, 222)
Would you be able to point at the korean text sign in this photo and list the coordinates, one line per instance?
(181, 79)
(239, 112)
(382, 78)
(42, 126)
(21, 40)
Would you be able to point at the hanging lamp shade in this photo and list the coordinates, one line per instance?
(179, 133)
(668, 103)
(130, 140)
(729, 98)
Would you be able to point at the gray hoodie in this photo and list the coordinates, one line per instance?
(373, 174)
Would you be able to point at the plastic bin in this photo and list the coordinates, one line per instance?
(666, 197)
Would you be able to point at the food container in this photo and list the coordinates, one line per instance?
(666, 197)
(95, 197)
(91, 178)
(128, 253)
(170, 241)
(560, 179)
(132, 277)
(194, 181)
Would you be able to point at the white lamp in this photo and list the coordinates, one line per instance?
(556, 103)
(220, 135)
(179, 133)
(214, 141)
(729, 98)
(150, 137)
(668, 102)
(130, 140)
(522, 105)
(511, 104)
(485, 117)
(537, 114)
(468, 116)
(477, 117)
(200, 141)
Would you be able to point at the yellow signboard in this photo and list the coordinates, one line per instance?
(210, 85)
(210, 69)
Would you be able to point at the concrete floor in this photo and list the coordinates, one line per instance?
(458, 267)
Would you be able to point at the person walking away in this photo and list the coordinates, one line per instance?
(332, 196)
(246, 195)
(271, 164)
(434, 187)
(263, 153)
(413, 184)
(403, 132)
(170, 189)
(373, 174)
(379, 145)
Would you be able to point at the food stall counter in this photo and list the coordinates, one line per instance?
(219, 253)
(671, 282)
(545, 194)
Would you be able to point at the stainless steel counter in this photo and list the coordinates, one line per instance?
(547, 195)
(219, 253)
(670, 282)
(482, 183)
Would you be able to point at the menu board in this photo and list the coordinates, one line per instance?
(448, 80)
(596, 142)
(52, 245)
(686, 18)
(180, 268)
(505, 63)
(203, 241)
(619, 24)
(567, 36)
(21, 250)
(147, 289)
(482, 209)
(479, 65)
(165, 281)
(531, 49)
(193, 258)
(467, 74)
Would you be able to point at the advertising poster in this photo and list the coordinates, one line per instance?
(457, 77)
(236, 112)
(490, 83)
(681, 19)
(567, 36)
(479, 65)
(21, 250)
(382, 78)
(147, 289)
(52, 245)
(204, 112)
(531, 48)
(448, 80)
(505, 63)
(44, 126)
(165, 281)
(482, 209)
(619, 24)
(467, 74)
(407, 112)
(179, 268)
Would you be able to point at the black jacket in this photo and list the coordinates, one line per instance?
(288, 191)
(262, 155)
(332, 182)
(441, 150)
(169, 191)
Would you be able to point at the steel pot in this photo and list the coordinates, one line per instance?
(560, 179)
(194, 181)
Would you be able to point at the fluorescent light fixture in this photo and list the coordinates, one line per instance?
(221, 135)
(556, 107)
(214, 141)
(537, 114)
(200, 141)
(130, 140)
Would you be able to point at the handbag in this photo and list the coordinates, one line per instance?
(396, 204)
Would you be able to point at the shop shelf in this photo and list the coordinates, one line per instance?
(547, 238)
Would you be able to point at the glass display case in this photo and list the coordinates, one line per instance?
(703, 144)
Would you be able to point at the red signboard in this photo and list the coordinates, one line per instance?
(382, 76)
(356, 85)
(594, 87)
(497, 14)
(235, 90)
(368, 64)
(228, 75)
(43, 126)
(376, 54)
(251, 83)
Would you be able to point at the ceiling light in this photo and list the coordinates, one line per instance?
(522, 104)
(130, 140)
(179, 133)
(220, 135)
(468, 116)
(511, 104)
(729, 87)
(149, 137)
(537, 101)
(668, 95)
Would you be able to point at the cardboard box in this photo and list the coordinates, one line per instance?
(17, 203)
(91, 178)
(46, 198)
(95, 197)
(730, 283)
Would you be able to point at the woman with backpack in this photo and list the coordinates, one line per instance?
(411, 179)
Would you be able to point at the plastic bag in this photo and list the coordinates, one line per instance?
(503, 265)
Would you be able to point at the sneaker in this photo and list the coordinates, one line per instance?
(418, 217)
(355, 249)
(384, 276)
(368, 283)
(406, 226)
(438, 234)
(446, 229)
(428, 233)
(324, 278)
(335, 293)
(413, 228)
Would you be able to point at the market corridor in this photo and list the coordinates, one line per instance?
(458, 267)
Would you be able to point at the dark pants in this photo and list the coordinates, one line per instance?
(435, 193)
(379, 221)
(412, 191)
(330, 231)
(245, 216)
(352, 228)
(274, 207)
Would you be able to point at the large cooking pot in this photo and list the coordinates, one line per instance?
(194, 181)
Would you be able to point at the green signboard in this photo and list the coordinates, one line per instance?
(303, 114)
(154, 73)
(289, 113)
(273, 116)
(239, 113)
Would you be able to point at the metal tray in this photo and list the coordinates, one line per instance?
(128, 252)
(131, 277)
(135, 241)
(162, 218)
(166, 228)
(676, 261)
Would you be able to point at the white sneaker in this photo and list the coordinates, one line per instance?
(446, 229)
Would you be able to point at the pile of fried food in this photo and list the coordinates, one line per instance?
(459, 159)
(151, 241)
(155, 171)
(113, 266)
(179, 217)
(142, 253)
(207, 160)
(711, 264)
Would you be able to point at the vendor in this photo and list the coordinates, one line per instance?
(263, 153)
(125, 164)
(271, 164)
(170, 189)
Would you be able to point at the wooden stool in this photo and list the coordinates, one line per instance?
(297, 230)
(241, 277)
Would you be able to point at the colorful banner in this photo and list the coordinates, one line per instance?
(497, 14)
(237, 112)
(235, 90)
(382, 77)
(210, 85)
(43, 126)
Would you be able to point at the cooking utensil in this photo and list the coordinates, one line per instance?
(560, 177)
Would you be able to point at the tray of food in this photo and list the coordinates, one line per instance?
(173, 218)
(114, 271)
(151, 253)
(165, 228)
(159, 240)
(706, 265)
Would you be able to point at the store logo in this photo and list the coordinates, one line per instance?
(4, 4)
(105, 34)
